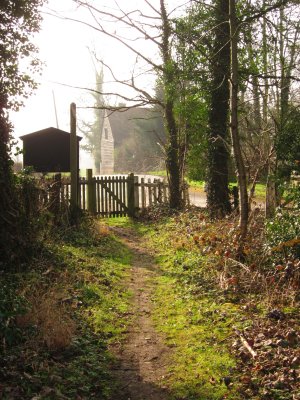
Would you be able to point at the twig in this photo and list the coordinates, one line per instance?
(246, 344)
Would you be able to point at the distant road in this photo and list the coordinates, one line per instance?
(197, 198)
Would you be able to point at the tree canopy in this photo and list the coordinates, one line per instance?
(19, 20)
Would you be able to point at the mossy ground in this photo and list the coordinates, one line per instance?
(195, 319)
(76, 304)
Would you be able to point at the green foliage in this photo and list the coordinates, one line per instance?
(11, 306)
(19, 20)
(194, 110)
(283, 231)
(288, 144)
(33, 223)
(285, 227)
(85, 269)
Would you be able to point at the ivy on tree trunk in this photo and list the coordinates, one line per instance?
(217, 177)
(169, 81)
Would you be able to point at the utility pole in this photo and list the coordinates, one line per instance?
(74, 167)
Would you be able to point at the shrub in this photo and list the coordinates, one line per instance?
(11, 306)
(283, 231)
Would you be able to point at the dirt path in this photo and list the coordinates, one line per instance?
(142, 358)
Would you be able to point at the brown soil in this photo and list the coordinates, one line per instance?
(142, 356)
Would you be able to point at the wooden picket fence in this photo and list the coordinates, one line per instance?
(113, 196)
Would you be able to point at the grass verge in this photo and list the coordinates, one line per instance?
(74, 305)
(260, 188)
(209, 304)
(195, 320)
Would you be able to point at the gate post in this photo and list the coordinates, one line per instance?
(74, 167)
(91, 192)
(130, 195)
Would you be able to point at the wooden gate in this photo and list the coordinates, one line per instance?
(111, 196)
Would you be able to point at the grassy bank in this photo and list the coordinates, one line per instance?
(70, 304)
(194, 317)
(212, 309)
(74, 303)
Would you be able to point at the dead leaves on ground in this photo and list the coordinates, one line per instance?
(270, 368)
(273, 373)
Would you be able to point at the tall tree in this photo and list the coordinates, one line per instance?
(218, 155)
(240, 167)
(155, 25)
(19, 19)
(169, 82)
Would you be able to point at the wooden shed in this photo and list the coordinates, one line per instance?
(48, 150)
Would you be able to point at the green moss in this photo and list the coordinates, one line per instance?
(195, 319)
(89, 270)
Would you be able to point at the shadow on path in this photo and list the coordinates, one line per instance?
(142, 359)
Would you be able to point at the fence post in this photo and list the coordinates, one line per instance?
(91, 192)
(130, 195)
(74, 167)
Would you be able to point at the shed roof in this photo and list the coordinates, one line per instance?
(47, 131)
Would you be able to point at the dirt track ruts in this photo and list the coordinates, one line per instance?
(142, 358)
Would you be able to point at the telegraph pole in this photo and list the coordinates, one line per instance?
(74, 167)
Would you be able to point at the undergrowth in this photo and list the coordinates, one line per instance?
(64, 311)
(209, 304)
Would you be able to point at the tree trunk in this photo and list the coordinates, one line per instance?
(217, 177)
(241, 173)
(270, 184)
(172, 147)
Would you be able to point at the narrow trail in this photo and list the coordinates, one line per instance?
(142, 357)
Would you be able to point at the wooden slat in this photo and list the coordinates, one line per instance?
(114, 198)
(110, 199)
(154, 190)
(102, 196)
(117, 194)
(165, 199)
(149, 192)
(105, 197)
(143, 194)
(97, 195)
(82, 193)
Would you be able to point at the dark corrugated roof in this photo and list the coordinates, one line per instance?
(47, 131)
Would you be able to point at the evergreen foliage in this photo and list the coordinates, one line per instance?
(18, 21)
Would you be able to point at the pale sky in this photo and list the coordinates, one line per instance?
(64, 48)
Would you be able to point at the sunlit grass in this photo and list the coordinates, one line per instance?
(158, 173)
(84, 271)
(194, 319)
(260, 188)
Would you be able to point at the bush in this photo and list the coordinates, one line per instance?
(34, 219)
(283, 231)
(11, 306)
